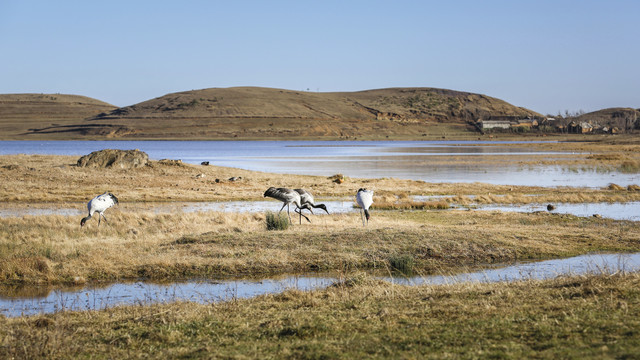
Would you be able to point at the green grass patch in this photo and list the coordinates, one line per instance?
(276, 221)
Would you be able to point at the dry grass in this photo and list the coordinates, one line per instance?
(589, 316)
(54, 249)
(571, 317)
(36, 179)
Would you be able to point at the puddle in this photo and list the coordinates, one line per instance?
(35, 300)
(548, 269)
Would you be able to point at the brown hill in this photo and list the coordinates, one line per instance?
(262, 113)
(20, 113)
(624, 119)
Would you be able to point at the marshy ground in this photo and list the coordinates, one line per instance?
(589, 316)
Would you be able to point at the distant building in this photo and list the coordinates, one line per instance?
(495, 124)
(507, 124)
(579, 128)
(525, 123)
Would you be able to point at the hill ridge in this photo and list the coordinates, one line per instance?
(252, 112)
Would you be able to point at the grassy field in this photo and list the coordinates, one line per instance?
(582, 316)
(141, 243)
(54, 249)
(589, 317)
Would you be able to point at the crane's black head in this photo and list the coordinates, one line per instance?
(269, 191)
(83, 221)
(323, 207)
(362, 189)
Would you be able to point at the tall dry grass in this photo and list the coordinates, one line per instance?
(54, 249)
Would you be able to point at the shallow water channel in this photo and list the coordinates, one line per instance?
(36, 300)
(616, 211)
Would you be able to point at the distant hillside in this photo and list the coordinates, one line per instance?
(262, 113)
(21, 112)
(624, 119)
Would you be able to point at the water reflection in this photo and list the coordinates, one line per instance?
(24, 301)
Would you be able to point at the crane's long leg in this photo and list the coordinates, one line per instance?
(289, 213)
(105, 218)
(283, 205)
(99, 217)
(299, 211)
(362, 216)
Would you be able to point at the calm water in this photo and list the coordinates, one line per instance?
(30, 301)
(616, 211)
(417, 160)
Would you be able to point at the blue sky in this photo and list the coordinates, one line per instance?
(548, 56)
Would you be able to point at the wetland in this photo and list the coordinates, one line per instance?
(168, 230)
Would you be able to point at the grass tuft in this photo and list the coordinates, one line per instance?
(633, 187)
(276, 221)
(615, 187)
(629, 166)
(402, 262)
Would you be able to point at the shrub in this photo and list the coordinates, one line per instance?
(277, 221)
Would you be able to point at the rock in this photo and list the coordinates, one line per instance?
(551, 207)
(110, 158)
(204, 163)
(597, 216)
(199, 176)
(235, 178)
(171, 162)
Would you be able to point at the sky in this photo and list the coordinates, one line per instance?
(547, 56)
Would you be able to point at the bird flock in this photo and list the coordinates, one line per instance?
(300, 198)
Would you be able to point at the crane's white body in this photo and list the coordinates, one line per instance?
(364, 198)
(288, 197)
(98, 205)
(307, 199)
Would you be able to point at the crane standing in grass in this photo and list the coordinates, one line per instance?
(364, 198)
(98, 205)
(288, 197)
(307, 198)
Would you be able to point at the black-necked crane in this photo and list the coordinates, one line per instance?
(288, 197)
(364, 198)
(98, 205)
(307, 198)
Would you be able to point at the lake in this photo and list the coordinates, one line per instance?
(430, 161)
